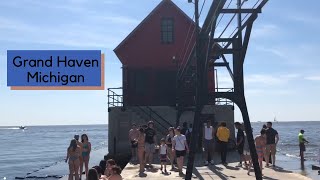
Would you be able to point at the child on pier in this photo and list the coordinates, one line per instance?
(163, 155)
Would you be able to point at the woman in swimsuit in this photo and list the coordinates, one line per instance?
(73, 154)
(86, 149)
(169, 145)
(260, 141)
(141, 139)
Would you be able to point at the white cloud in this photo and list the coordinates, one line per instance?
(304, 18)
(78, 36)
(265, 31)
(312, 78)
(302, 54)
(123, 20)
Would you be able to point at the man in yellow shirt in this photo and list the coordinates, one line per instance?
(223, 134)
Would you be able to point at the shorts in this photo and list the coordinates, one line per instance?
(180, 153)
(163, 158)
(302, 147)
(271, 148)
(208, 145)
(260, 154)
(246, 152)
(134, 144)
(149, 148)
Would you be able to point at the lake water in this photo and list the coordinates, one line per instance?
(40, 150)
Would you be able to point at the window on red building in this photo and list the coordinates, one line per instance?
(167, 30)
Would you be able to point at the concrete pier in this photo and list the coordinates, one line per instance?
(217, 171)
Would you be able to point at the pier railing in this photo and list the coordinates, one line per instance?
(223, 101)
(115, 99)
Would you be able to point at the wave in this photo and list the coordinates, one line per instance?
(11, 128)
(293, 156)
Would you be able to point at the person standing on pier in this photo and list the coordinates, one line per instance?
(180, 148)
(163, 153)
(169, 139)
(141, 145)
(272, 141)
(302, 146)
(208, 147)
(76, 137)
(188, 134)
(133, 136)
(240, 141)
(73, 154)
(260, 142)
(150, 140)
(223, 134)
(184, 128)
(85, 152)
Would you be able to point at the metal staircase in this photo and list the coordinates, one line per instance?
(144, 114)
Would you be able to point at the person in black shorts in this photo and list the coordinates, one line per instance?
(179, 147)
(149, 145)
(240, 141)
(302, 145)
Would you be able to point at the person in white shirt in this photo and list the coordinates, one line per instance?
(180, 148)
(208, 146)
(163, 155)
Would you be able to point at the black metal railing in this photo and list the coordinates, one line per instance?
(159, 116)
(114, 99)
(162, 125)
(224, 101)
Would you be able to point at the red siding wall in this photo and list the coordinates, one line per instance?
(143, 52)
(143, 48)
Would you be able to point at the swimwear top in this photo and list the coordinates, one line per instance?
(85, 146)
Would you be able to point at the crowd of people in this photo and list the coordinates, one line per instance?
(175, 145)
(144, 144)
(78, 156)
(265, 144)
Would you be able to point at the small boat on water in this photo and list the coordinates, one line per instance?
(22, 127)
(275, 120)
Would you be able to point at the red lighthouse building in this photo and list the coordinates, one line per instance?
(152, 55)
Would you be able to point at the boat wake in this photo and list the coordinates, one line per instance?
(11, 128)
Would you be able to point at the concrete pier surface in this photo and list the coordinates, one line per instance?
(217, 171)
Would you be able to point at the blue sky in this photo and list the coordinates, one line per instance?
(281, 70)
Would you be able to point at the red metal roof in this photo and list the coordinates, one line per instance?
(161, 4)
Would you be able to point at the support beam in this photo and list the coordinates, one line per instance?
(200, 89)
(244, 11)
(228, 67)
(213, 11)
(225, 51)
(223, 39)
(221, 64)
(251, 19)
(246, 42)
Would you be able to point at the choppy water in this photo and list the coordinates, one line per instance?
(288, 132)
(42, 147)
